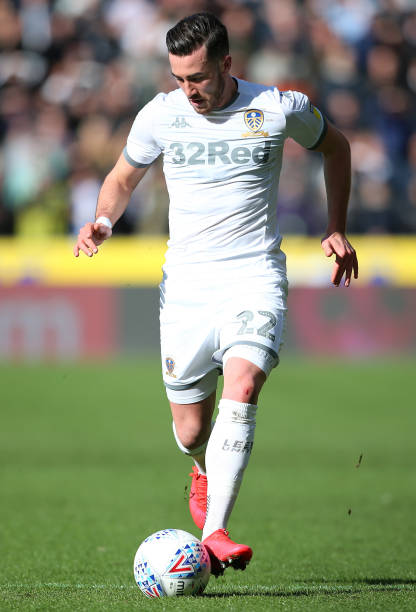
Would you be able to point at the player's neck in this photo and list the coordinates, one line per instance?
(229, 93)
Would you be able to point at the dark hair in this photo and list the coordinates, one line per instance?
(196, 30)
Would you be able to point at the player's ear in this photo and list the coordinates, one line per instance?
(226, 64)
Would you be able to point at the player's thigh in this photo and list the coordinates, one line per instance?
(250, 341)
(187, 337)
(253, 330)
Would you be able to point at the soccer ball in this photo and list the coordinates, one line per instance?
(171, 562)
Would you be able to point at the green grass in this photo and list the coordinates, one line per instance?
(89, 468)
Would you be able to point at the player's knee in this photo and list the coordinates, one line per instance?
(191, 435)
(244, 386)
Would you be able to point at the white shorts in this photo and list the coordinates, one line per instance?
(199, 327)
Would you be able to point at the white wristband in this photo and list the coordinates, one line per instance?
(105, 221)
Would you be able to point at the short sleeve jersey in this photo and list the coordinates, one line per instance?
(222, 169)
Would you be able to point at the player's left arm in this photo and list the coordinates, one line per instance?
(337, 172)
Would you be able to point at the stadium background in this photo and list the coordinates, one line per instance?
(84, 445)
(73, 75)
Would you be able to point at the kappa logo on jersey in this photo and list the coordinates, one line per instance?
(254, 119)
(180, 122)
(181, 565)
(170, 366)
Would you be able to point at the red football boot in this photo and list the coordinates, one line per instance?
(198, 497)
(225, 553)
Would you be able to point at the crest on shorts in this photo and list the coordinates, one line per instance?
(170, 366)
(254, 119)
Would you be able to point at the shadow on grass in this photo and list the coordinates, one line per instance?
(364, 585)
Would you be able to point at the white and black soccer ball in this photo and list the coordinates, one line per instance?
(170, 563)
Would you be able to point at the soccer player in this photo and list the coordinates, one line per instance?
(224, 287)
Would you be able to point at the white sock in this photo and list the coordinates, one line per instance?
(227, 456)
(197, 454)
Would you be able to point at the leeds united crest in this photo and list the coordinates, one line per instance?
(254, 119)
(170, 366)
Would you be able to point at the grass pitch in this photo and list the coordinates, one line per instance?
(89, 469)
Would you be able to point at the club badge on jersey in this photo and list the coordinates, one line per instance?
(254, 119)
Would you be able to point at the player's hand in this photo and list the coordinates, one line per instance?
(346, 261)
(90, 236)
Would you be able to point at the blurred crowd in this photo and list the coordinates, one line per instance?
(73, 74)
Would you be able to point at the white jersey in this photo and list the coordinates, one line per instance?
(222, 170)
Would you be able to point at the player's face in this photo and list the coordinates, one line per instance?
(202, 81)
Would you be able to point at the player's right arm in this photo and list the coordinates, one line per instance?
(113, 199)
